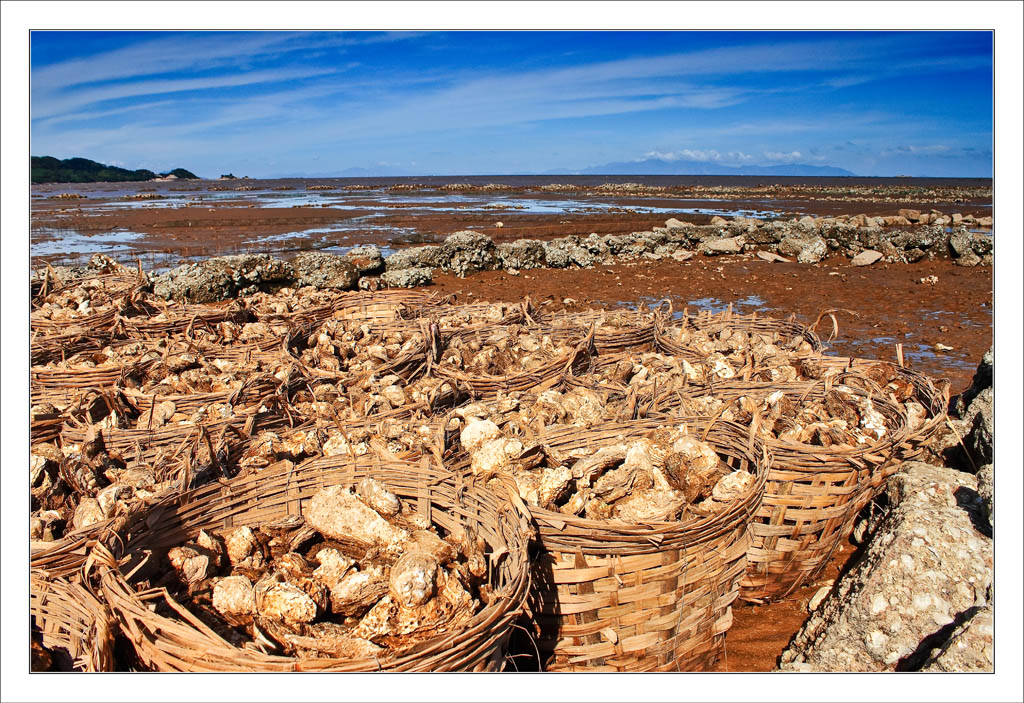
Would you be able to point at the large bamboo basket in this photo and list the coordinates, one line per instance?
(70, 618)
(614, 330)
(614, 596)
(182, 452)
(369, 306)
(67, 556)
(713, 323)
(96, 321)
(167, 637)
(933, 394)
(249, 394)
(545, 376)
(812, 497)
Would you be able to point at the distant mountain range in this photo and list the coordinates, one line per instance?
(649, 167)
(48, 169)
(682, 167)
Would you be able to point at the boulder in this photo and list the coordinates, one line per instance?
(565, 252)
(985, 221)
(408, 278)
(960, 242)
(806, 249)
(982, 379)
(717, 221)
(223, 277)
(521, 254)
(969, 647)
(968, 260)
(368, 260)
(866, 258)
(673, 223)
(806, 222)
(890, 252)
(325, 271)
(910, 215)
(979, 421)
(772, 257)
(914, 255)
(986, 478)
(981, 243)
(917, 238)
(414, 257)
(926, 568)
(468, 252)
(714, 247)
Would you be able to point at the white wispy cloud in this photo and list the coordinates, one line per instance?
(712, 155)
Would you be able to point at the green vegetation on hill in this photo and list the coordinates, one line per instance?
(47, 169)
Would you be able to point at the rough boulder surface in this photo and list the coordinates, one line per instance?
(414, 257)
(866, 257)
(368, 260)
(925, 574)
(813, 252)
(223, 277)
(408, 277)
(468, 252)
(566, 252)
(730, 245)
(521, 254)
(325, 271)
(973, 414)
(806, 248)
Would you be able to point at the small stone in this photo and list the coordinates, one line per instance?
(234, 596)
(87, 513)
(279, 600)
(866, 258)
(414, 579)
(376, 495)
(819, 596)
(478, 432)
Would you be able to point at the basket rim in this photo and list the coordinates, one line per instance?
(502, 610)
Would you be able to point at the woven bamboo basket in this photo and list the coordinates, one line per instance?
(167, 637)
(812, 498)
(544, 376)
(175, 452)
(45, 428)
(931, 393)
(46, 349)
(99, 376)
(369, 306)
(249, 394)
(96, 321)
(713, 323)
(70, 618)
(614, 596)
(614, 331)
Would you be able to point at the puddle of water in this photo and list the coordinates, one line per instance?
(74, 242)
(745, 305)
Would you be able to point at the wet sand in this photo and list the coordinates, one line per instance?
(876, 307)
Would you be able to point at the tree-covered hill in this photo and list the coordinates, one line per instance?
(47, 169)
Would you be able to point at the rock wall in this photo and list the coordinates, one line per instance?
(806, 241)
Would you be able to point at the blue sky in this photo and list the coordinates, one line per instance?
(269, 104)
